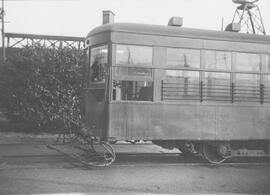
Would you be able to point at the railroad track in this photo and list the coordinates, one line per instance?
(127, 159)
(177, 158)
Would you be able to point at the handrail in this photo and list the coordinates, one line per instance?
(195, 90)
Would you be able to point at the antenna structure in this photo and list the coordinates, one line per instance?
(248, 16)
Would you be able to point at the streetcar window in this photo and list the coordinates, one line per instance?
(98, 64)
(248, 62)
(267, 88)
(180, 84)
(268, 63)
(133, 90)
(133, 55)
(132, 83)
(247, 87)
(183, 57)
(131, 72)
(267, 80)
(220, 60)
(217, 86)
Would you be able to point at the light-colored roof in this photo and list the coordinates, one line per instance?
(179, 32)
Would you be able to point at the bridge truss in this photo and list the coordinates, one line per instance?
(19, 40)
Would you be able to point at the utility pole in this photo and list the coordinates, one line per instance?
(2, 15)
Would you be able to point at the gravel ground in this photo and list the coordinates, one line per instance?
(22, 173)
(138, 179)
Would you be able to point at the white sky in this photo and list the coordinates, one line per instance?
(78, 17)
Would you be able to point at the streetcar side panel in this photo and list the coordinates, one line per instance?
(158, 121)
(135, 106)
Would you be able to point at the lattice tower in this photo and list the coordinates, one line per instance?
(248, 16)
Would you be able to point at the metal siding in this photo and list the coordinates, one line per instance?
(151, 121)
(95, 115)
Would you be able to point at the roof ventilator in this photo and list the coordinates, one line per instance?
(175, 21)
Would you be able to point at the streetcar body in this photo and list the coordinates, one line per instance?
(168, 84)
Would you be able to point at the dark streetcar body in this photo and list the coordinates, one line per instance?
(200, 91)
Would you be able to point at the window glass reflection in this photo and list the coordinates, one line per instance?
(183, 57)
(268, 63)
(267, 80)
(178, 75)
(133, 55)
(248, 62)
(132, 71)
(247, 79)
(98, 63)
(220, 60)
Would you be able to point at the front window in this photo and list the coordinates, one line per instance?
(98, 64)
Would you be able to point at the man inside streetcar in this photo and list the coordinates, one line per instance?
(97, 71)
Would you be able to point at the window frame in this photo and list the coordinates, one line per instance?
(127, 66)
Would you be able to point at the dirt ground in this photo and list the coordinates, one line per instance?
(27, 166)
(143, 179)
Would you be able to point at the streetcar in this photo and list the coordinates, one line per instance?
(200, 91)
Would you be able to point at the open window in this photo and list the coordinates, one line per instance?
(133, 90)
(132, 83)
(180, 85)
(247, 87)
(217, 86)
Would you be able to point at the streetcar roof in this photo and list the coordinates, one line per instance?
(174, 31)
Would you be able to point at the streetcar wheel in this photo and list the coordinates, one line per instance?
(211, 154)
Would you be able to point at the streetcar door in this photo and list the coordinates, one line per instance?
(96, 93)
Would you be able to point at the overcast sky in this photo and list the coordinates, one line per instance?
(78, 17)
